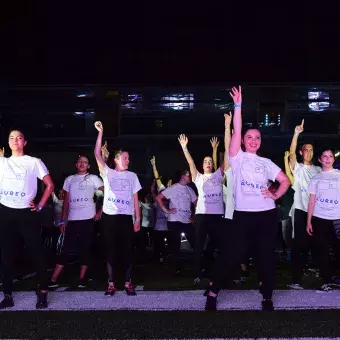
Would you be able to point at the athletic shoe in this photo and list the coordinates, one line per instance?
(130, 290)
(210, 304)
(324, 288)
(295, 286)
(41, 301)
(267, 305)
(111, 289)
(52, 284)
(82, 283)
(7, 302)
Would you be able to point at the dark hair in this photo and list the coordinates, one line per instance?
(322, 150)
(178, 175)
(245, 129)
(20, 130)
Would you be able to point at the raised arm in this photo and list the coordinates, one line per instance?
(97, 149)
(293, 144)
(155, 173)
(214, 144)
(235, 143)
(183, 140)
(227, 137)
(287, 168)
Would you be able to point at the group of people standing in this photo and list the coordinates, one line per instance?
(235, 207)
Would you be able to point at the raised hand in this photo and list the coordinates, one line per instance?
(99, 126)
(183, 140)
(236, 94)
(227, 119)
(287, 154)
(214, 142)
(2, 152)
(299, 128)
(153, 161)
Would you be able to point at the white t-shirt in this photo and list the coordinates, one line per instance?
(302, 176)
(18, 176)
(161, 219)
(147, 214)
(326, 187)
(210, 193)
(228, 195)
(251, 174)
(119, 188)
(181, 197)
(81, 189)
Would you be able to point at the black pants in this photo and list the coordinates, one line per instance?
(301, 244)
(249, 229)
(175, 231)
(206, 225)
(15, 223)
(323, 234)
(159, 237)
(81, 231)
(118, 234)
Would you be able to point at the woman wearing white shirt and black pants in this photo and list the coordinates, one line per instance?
(120, 204)
(255, 215)
(181, 198)
(209, 208)
(80, 211)
(323, 211)
(18, 213)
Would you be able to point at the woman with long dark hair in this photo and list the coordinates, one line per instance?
(18, 213)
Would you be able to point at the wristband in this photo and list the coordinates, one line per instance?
(60, 223)
(237, 105)
(185, 150)
(137, 219)
(39, 207)
(296, 134)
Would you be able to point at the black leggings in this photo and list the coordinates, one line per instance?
(117, 233)
(83, 231)
(258, 229)
(206, 225)
(15, 223)
(159, 237)
(175, 231)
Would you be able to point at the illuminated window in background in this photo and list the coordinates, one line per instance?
(320, 100)
(178, 101)
(272, 119)
(131, 101)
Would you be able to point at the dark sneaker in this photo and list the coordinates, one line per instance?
(111, 289)
(82, 283)
(7, 302)
(130, 290)
(41, 301)
(210, 304)
(267, 305)
(52, 284)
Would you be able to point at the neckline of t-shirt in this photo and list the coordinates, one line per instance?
(84, 174)
(308, 166)
(12, 156)
(327, 172)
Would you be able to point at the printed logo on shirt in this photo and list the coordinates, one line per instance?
(76, 200)
(14, 182)
(212, 189)
(120, 185)
(327, 194)
(253, 177)
(118, 203)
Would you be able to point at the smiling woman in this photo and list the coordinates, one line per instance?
(18, 210)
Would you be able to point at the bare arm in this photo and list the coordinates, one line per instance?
(227, 137)
(183, 140)
(49, 187)
(153, 190)
(64, 212)
(97, 149)
(214, 144)
(287, 169)
(235, 143)
(281, 190)
(293, 145)
(310, 211)
(155, 173)
(136, 224)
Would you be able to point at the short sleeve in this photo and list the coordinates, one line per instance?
(136, 185)
(97, 182)
(198, 177)
(193, 195)
(218, 175)
(274, 170)
(296, 168)
(167, 193)
(106, 170)
(41, 169)
(312, 187)
(67, 184)
(161, 188)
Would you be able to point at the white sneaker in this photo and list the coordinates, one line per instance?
(295, 286)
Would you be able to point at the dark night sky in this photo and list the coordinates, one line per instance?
(170, 45)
